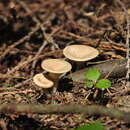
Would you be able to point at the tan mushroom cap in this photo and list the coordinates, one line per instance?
(57, 66)
(80, 52)
(41, 81)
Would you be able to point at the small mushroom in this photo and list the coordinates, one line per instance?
(80, 54)
(42, 82)
(55, 67)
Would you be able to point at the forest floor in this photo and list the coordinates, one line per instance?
(30, 29)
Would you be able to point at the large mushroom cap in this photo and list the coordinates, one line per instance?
(56, 66)
(41, 81)
(80, 52)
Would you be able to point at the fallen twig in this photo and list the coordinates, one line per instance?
(15, 91)
(18, 42)
(10, 74)
(127, 37)
(48, 39)
(65, 109)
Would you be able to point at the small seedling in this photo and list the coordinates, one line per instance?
(93, 75)
(103, 84)
(92, 126)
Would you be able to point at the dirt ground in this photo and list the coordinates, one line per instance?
(30, 29)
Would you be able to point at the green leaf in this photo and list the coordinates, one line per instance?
(92, 126)
(89, 84)
(92, 74)
(103, 84)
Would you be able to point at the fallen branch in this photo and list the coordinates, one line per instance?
(65, 109)
(119, 71)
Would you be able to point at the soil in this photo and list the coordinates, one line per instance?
(30, 29)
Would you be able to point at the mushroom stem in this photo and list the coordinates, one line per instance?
(79, 65)
(55, 87)
(55, 79)
(46, 92)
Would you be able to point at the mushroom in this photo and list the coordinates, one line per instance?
(80, 54)
(55, 67)
(42, 82)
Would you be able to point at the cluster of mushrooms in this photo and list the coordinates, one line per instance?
(56, 67)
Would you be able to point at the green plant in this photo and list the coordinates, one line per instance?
(92, 126)
(93, 76)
